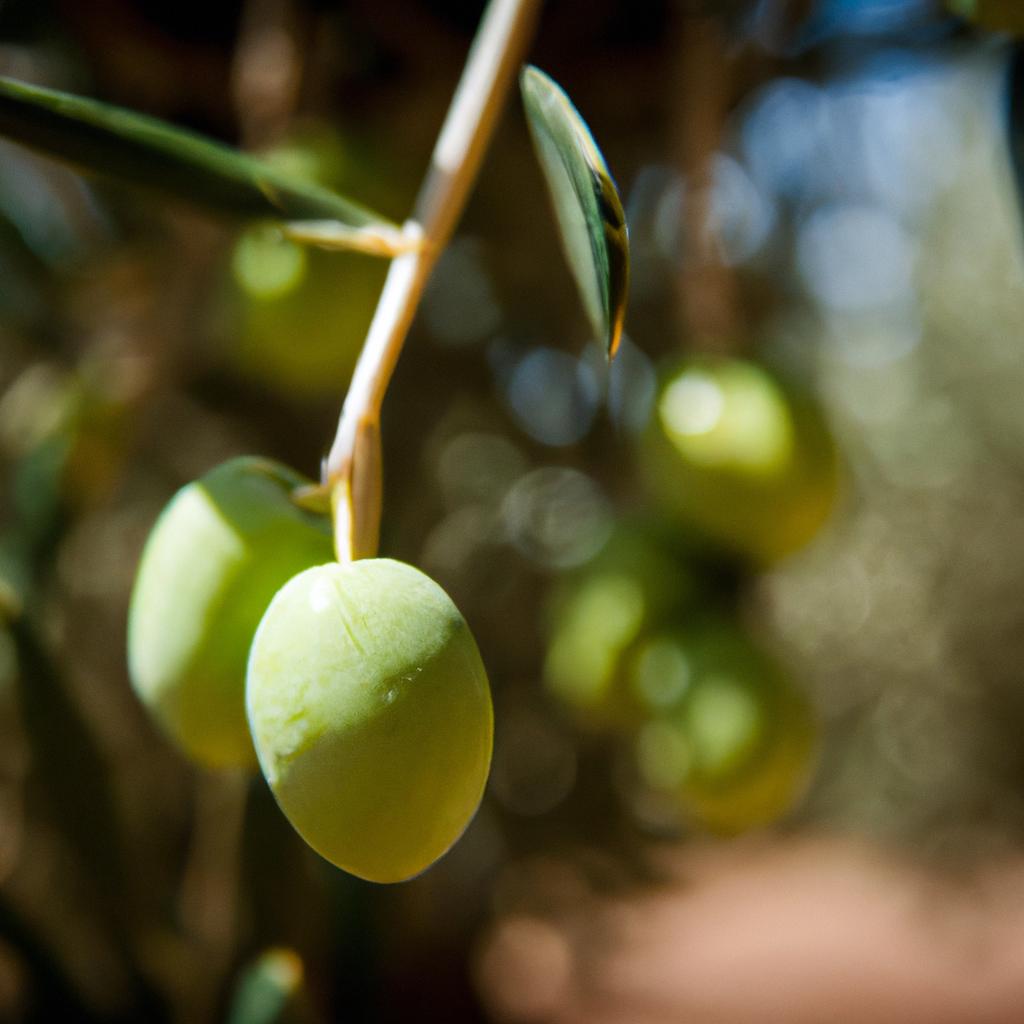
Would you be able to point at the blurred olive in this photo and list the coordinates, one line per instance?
(735, 743)
(747, 462)
(601, 613)
(299, 315)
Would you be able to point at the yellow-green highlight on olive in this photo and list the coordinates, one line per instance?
(742, 459)
(736, 749)
(219, 552)
(600, 620)
(371, 714)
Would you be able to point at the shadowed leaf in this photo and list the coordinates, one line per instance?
(145, 151)
(587, 204)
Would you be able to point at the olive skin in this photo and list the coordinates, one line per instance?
(218, 553)
(371, 714)
(742, 459)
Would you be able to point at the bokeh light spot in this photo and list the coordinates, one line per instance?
(557, 517)
(267, 266)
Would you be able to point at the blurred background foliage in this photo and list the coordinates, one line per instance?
(763, 571)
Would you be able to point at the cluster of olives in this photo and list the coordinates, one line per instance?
(646, 643)
(360, 692)
(357, 687)
(644, 647)
(729, 733)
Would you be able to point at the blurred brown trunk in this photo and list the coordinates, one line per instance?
(708, 311)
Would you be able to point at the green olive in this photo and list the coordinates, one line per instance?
(294, 317)
(280, 292)
(371, 714)
(218, 553)
(603, 612)
(748, 463)
(736, 747)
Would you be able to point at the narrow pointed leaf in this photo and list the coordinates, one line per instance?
(587, 204)
(145, 151)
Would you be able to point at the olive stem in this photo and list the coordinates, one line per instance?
(493, 59)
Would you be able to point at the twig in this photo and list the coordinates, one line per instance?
(352, 467)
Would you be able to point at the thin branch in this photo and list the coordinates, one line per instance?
(334, 235)
(490, 69)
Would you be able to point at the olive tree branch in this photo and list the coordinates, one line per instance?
(352, 469)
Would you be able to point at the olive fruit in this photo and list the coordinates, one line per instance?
(748, 463)
(277, 290)
(218, 553)
(281, 291)
(371, 715)
(735, 749)
(602, 612)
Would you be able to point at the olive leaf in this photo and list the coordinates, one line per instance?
(586, 201)
(145, 151)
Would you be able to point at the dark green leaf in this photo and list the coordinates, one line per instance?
(587, 204)
(145, 151)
